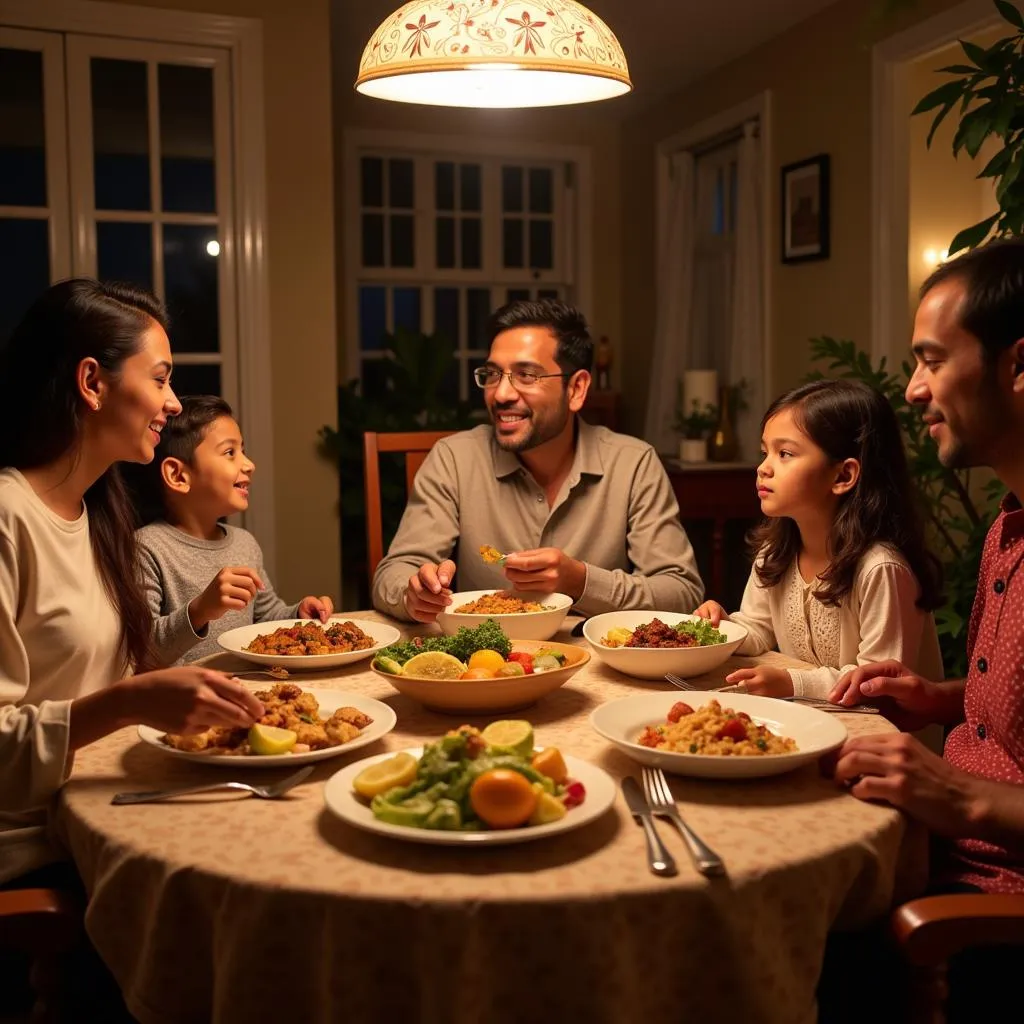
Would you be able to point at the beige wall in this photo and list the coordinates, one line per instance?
(819, 75)
(300, 248)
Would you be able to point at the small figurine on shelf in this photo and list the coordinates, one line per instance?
(603, 356)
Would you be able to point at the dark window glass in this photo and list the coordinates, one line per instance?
(444, 186)
(24, 279)
(400, 189)
(196, 379)
(191, 285)
(449, 389)
(541, 190)
(478, 311)
(512, 242)
(120, 127)
(445, 242)
(124, 252)
(469, 186)
(372, 317)
(516, 294)
(373, 240)
(446, 314)
(403, 243)
(541, 245)
(187, 178)
(548, 293)
(718, 213)
(407, 308)
(371, 172)
(512, 189)
(375, 378)
(471, 243)
(22, 129)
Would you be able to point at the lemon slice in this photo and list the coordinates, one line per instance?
(510, 736)
(434, 665)
(269, 740)
(378, 778)
(388, 665)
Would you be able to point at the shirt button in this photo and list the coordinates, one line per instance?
(982, 665)
(999, 586)
(981, 730)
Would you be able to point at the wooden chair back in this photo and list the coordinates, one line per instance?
(414, 445)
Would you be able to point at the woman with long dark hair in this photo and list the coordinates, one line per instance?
(86, 378)
(841, 576)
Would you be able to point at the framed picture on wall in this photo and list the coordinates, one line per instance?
(805, 210)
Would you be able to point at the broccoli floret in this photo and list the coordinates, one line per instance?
(487, 635)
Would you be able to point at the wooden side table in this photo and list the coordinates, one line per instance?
(720, 492)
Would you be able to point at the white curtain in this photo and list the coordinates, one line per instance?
(674, 302)
(746, 353)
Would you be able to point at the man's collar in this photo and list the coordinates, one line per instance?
(587, 459)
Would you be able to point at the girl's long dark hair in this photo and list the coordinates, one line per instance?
(40, 421)
(847, 419)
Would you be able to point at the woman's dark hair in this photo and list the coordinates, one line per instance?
(575, 347)
(40, 420)
(847, 419)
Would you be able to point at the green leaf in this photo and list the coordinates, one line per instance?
(997, 164)
(973, 130)
(970, 237)
(983, 58)
(1010, 13)
(939, 118)
(948, 92)
(1011, 175)
(958, 69)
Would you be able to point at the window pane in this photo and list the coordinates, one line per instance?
(471, 255)
(444, 186)
(733, 185)
(190, 277)
(541, 247)
(375, 378)
(478, 311)
(400, 184)
(124, 252)
(718, 224)
(548, 293)
(373, 240)
(541, 190)
(512, 242)
(446, 314)
(187, 177)
(407, 308)
(469, 191)
(196, 380)
(512, 189)
(445, 243)
(517, 294)
(372, 317)
(449, 389)
(402, 241)
(22, 129)
(371, 171)
(120, 129)
(24, 279)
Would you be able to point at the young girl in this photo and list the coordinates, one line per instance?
(842, 576)
(87, 376)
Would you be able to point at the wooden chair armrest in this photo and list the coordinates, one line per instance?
(931, 929)
(39, 921)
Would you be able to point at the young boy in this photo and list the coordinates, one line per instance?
(203, 577)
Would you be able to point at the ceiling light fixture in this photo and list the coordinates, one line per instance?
(493, 53)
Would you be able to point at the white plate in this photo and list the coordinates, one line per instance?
(816, 732)
(344, 802)
(654, 662)
(330, 700)
(236, 640)
(517, 625)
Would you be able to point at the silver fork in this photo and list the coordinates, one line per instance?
(280, 674)
(814, 702)
(268, 792)
(659, 796)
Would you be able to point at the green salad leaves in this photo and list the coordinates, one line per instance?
(487, 636)
(702, 631)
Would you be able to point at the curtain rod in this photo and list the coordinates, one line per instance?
(725, 138)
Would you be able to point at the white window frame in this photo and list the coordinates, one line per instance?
(242, 38)
(573, 261)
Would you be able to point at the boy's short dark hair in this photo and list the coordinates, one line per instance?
(575, 348)
(184, 433)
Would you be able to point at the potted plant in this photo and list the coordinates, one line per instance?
(694, 425)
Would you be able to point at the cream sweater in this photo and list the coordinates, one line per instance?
(59, 639)
(879, 619)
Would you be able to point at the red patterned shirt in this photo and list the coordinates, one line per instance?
(990, 742)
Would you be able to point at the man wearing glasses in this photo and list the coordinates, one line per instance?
(578, 509)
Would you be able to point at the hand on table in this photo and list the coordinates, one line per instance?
(546, 571)
(908, 700)
(316, 608)
(763, 680)
(428, 592)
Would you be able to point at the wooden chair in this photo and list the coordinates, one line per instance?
(932, 929)
(414, 445)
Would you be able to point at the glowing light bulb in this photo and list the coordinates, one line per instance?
(213, 247)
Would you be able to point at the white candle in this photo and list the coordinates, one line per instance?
(700, 386)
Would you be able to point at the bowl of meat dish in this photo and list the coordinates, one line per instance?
(523, 615)
(718, 735)
(647, 644)
(302, 644)
(297, 726)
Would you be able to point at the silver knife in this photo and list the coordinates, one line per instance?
(659, 860)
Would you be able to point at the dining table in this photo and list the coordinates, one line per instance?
(226, 908)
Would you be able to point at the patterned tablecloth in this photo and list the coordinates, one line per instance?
(222, 908)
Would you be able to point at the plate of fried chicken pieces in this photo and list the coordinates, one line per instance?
(325, 723)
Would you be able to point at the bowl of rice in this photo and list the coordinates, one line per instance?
(647, 644)
(718, 735)
(521, 614)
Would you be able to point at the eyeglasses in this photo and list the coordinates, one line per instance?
(488, 377)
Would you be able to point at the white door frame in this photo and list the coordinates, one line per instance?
(890, 165)
(758, 107)
(243, 39)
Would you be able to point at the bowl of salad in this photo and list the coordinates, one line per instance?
(647, 644)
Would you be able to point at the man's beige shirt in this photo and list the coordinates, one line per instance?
(616, 512)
